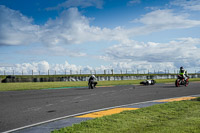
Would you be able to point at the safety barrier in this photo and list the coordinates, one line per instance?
(10, 78)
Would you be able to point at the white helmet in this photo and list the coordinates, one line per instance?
(93, 76)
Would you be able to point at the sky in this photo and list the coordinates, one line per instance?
(90, 36)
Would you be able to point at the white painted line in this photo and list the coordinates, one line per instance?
(78, 97)
(32, 109)
(49, 105)
(87, 112)
(83, 100)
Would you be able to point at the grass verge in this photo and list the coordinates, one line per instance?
(173, 117)
(45, 85)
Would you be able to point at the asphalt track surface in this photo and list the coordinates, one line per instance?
(21, 108)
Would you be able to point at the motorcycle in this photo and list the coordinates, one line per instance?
(148, 82)
(181, 81)
(90, 85)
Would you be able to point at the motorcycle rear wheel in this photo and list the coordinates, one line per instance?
(186, 83)
(91, 86)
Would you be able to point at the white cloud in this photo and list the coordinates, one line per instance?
(143, 66)
(130, 56)
(54, 51)
(184, 51)
(159, 20)
(193, 5)
(78, 3)
(15, 28)
(43, 67)
(71, 27)
(60, 51)
(68, 28)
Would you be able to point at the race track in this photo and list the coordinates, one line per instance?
(21, 108)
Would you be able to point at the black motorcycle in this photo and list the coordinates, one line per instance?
(92, 84)
(181, 81)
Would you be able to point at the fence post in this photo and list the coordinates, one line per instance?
(112, 71)
(70, 72)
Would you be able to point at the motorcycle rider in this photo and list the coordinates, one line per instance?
(183, 73)
(92, 80)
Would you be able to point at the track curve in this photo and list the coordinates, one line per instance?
(21, 108)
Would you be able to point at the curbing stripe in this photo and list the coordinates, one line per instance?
(176, 99)
(105, 112)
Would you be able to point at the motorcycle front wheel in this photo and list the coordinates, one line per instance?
(177, 83)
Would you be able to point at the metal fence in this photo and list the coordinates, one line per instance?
(73, 72)
(66, 78)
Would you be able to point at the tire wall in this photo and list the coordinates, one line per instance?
(82, 78)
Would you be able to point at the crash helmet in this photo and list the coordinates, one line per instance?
(93, 76)
(181, 68)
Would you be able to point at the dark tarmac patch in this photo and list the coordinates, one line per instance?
(51, 111)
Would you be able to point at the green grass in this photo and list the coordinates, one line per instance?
(38, 85)
(173, 117)
(45, 85)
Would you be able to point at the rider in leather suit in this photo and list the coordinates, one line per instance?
(92, 80)
(183, 73)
